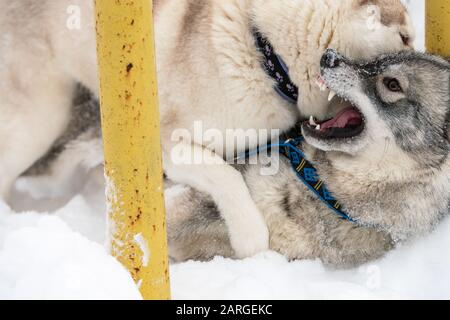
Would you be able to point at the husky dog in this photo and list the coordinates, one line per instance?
(385, 156)
(209, 71)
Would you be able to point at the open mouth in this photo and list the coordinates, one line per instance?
(347, 123)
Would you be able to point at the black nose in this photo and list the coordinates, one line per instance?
(331, 59)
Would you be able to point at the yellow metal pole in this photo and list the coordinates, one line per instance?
(130, 121)
(438, 27)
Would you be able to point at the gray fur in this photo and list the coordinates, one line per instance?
(393, 178)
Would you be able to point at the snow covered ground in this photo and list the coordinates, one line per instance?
(60, 254)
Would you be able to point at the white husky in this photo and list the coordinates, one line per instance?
(209, 71)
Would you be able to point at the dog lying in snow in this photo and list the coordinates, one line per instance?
(385, 156)
(210, 41)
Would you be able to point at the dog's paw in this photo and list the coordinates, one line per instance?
(39, 187)
(250, 238)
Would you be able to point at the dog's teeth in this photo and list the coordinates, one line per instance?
(318, 127)
(318, 83)
(332, 95)
(321, 84)
(312, 121)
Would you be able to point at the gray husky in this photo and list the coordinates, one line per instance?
(384, 156)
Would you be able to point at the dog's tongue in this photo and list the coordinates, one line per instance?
(345, 118)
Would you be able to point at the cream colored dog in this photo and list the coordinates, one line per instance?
(209, 71)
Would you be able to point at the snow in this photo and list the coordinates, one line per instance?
(42, 257)
(55, 250)
(143, 246)
(419, 270)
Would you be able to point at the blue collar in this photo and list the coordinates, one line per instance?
(304, 169)
(307, 173)
(276, 69)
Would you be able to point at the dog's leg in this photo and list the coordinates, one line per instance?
(31, 120)
(247, 228)
(78, 157)
(5, 188)
(195, 228)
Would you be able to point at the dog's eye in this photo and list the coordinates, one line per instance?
(392, 84)
(406, 40)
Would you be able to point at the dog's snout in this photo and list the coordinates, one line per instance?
(331, 59)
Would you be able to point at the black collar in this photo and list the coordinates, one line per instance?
(275, 68)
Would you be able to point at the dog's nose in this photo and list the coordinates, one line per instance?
(331, 59)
